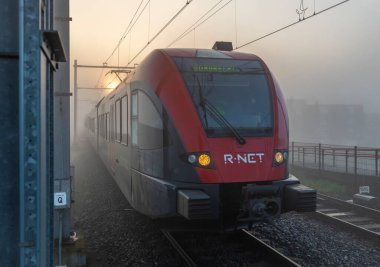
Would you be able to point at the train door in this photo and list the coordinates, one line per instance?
(124, 156)
(134, 131)
(112, 152)
(147, 151)
(97, 129)
(134, 151)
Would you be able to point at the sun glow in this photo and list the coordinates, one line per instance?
(112, 85)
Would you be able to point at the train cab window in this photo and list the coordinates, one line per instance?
(146, 123)
(117, 120)
(124, 120)
(236, 91)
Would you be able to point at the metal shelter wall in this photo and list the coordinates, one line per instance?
(62, 176)
(29, 54)
(9, 183)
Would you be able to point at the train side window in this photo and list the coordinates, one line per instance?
(124, 120)
(117, 120)
(150, 125)
(103, 124)
(134, 119)
(106, 128)
(112, 123)
(99, 125)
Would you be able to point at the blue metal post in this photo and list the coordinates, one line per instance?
(29, 129)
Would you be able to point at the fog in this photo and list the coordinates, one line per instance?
(327, 65)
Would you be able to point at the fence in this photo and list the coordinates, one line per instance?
(344, 159)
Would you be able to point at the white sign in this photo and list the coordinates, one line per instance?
(248, 158)
(60, 199)
(364, 189)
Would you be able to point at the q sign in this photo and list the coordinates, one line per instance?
(60, 200)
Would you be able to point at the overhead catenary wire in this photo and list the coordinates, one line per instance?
(161, 30)
(236, 35)
(119, 43)
(149, 22)
(130, 25)
(191, 28)
(100, 76)
(292, 24)
(128, 28)
(195, 25)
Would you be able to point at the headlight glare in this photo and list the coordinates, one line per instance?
(279, 158)
(204, 160)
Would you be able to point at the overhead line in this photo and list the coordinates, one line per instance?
(134, 15)
(213, 13)
(161, 30)
(189, 30)
(292, 24)
(191, 27)
(127, 29)
(125, 35)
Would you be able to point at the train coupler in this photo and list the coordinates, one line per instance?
(259, 202)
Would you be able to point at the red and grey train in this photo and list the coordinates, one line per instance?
(202, 134)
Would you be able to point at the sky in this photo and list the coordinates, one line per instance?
(329, 58)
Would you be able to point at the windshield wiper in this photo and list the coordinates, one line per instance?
(201, 101)
(221, 120)
(207, 107)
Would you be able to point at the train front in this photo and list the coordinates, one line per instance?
(231, 118)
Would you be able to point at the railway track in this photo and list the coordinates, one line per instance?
(355, 218)
(240, 248)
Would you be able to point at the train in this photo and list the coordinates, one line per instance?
(199, 134)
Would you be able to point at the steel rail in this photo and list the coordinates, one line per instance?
(270, 252)
(350, 227)
(186, 258)
(373, 213)
(343, 206)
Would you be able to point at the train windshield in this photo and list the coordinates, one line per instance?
(230, 95)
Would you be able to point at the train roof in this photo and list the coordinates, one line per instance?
(190, 53)
(206, 53)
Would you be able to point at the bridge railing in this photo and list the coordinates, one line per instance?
(345, 159)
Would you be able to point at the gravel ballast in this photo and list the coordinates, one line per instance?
(314, 243)
(114, 234)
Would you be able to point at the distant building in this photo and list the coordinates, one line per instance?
(338, 124)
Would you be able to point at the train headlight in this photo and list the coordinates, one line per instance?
(280, 157)
(192, 158)
(199, 159)
(204, 160)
